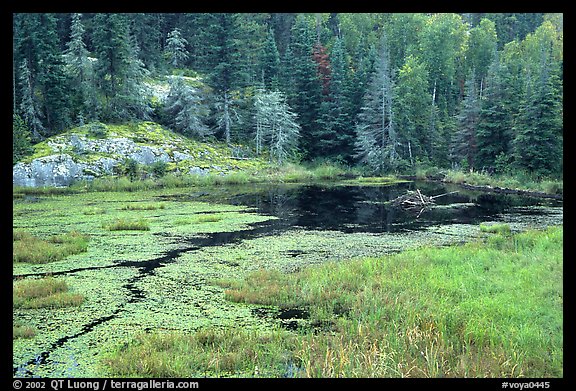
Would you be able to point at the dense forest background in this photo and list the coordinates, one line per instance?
(389, 91)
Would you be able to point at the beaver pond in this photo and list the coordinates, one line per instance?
(162, 277)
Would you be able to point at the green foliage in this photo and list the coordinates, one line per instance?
(159, 168)
(212, 352)
(484, 309)
(73, 68)
(21, 145)
(97, 130)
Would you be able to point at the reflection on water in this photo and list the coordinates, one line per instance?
(367, 208)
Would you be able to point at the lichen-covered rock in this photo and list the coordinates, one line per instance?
(52, 170)
(79, 154)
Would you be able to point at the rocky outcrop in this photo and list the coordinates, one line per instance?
(76, 155)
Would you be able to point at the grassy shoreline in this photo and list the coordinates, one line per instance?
(490, 308)
(297, 173)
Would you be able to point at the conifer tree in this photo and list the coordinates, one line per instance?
(376, 138)
(412, 110)
(21, 139)
(52, 79)
(80, 69)
(186, 109)
(494, 127)
(464, 144)
(276, 126)
(270, 62)
(176, 48)
(119, 72)
(302, 84)
(28, 105)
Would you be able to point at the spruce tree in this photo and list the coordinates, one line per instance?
(376, 138)
(270, 62)
(335, 132)
(79, 67)
(464, 144)
(302, 84)
(21, 139)
(493, 132)
(29, 105)
(276, 126)
(119, 72)
(52, 79)
(176, 48)
(185, 109)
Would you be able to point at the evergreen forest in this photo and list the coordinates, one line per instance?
(387, 91)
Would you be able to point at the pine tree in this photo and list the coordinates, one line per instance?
(21, 139)
(176, 48)
(493, 132)
(80, 69)
(276, 126)
(186, 110)
(376, 138)
(28, 105)
(464, 145)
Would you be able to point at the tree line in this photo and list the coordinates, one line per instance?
(390, 91)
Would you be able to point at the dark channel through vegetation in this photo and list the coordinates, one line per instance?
(314, 207)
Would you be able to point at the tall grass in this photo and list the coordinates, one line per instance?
(128, 225)
(519, 181)
(492, 308)
(41, 293)
(31, 249)
(206, 352)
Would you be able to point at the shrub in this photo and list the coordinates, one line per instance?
(97, 130)
(158, 168)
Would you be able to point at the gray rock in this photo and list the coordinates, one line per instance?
(62, 169)
(52, 170)
(198, 171)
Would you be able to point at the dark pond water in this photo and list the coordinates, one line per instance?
(367, 208)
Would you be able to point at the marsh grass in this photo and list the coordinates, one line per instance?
(483, 309)
(491, 308)
(502, 229)
(41, 293)
(519, 181)
(209, 352)
(31, 249)
(143, 207)
(20, 330)
(128, 225)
